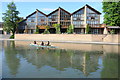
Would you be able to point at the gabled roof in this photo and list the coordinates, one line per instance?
(77, 10)
(22, 21)
(52, 12)
(65, 10)
(35, 12)
(41, 12)
(93, 9)
(57, 10)
(32, 14)
(88, 7)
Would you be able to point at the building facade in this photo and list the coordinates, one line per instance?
(79, 19)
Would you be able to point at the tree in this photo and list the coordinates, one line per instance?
(70, 29)
(111, 13)
(57, 27)
(37, 30)
(11, 19)
(46, 29)
(88, 29)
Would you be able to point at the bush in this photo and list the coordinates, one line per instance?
(12, 37)
(36, 32)
(112, 32)
(70, 29)
(88, 29)
(46, 31)
(57, 27)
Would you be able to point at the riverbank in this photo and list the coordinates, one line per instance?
(72, 38)
(68, 38)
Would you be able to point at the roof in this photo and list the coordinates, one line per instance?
(113, 27)
(77, 10)
(41, 12)
(93, 9)
(57, 10)
(32, 14)
(22, 21)
(35, 12)
(65, 10)
(88, 7)
(52, 12)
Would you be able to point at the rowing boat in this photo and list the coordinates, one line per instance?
(36, 45)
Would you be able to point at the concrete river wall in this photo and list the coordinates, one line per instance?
(71, 37)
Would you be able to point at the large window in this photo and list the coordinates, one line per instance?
(92, 18)
(42, 19)
(53, 18)
(31, 25)
(78, 18)
(31, 21)
(36, 19)
(64, 19)
(32, 18)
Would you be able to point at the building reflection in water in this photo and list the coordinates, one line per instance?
(60, 59)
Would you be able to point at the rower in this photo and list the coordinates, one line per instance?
(35, 42)
(48, 44)
(42, 43)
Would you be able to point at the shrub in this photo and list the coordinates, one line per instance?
(112, 32)
(36, 32)
(88, 29)
(46, 31)
(57, 27)
(70, 29)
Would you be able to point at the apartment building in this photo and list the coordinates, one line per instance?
(79, 19)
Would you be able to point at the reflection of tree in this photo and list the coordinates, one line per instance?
(110, 66)
(11, 58)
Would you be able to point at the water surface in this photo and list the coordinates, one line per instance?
(20, 60)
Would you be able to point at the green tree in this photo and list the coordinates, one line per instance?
(57, 27)
(37, 30)
(70, 29)
(88, 29)
(11, 19)
(46, 29)
(111, 12)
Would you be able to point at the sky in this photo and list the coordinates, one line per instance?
(26, 8)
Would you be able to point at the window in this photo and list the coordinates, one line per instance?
(42, 20)
(92, 17)
(53, 19)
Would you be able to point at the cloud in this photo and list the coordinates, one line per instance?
(48, 9)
